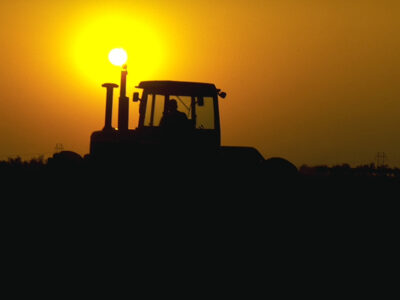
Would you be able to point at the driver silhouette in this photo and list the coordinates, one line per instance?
(173, 118)
(175, 124)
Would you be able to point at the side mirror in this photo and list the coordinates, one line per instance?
(222, 95)
(135, 97)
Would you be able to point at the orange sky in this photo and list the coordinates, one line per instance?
(315, 82)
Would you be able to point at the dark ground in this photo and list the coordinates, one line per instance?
(239, 231)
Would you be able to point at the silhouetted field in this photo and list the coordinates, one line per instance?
(70, 171)
(64, 165)
(80, 192)
(63, 216)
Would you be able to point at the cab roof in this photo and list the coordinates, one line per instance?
(166, 87)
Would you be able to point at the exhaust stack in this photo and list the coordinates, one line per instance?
(123, 109)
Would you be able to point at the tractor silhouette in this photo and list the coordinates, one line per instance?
(179, 123)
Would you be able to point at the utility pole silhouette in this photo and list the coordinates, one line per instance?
(380, 159)
(59, 147)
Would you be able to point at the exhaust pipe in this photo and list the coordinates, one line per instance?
(109, 103)
(123, 109)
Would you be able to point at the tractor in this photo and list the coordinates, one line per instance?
(194, 142)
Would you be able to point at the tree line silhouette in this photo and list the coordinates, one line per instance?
(345, 170)
(65, 160)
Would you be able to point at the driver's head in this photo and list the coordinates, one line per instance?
(172, 105)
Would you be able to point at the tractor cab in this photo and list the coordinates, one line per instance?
(197, 103)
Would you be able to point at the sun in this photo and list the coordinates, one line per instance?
(118, 56)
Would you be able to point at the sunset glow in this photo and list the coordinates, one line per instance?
(315, 82)
(94, 39)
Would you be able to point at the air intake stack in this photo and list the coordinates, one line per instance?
(109, 103)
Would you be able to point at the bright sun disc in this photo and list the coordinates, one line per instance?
(118, 56)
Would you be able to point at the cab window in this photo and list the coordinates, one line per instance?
(154, 109)
(205, 113)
